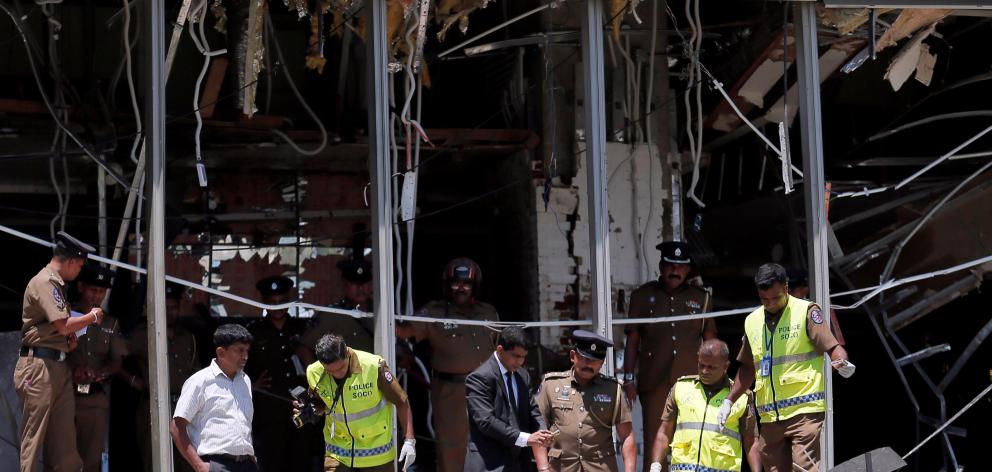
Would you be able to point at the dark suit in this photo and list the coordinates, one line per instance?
(493, 425)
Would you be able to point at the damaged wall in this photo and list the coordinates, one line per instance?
(636, 222)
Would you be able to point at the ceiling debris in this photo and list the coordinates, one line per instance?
(909, 57)
(846, 20)
(908, 22)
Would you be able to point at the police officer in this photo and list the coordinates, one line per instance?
(581, 407)
(358, 392)
(183, 362)
(275, 370)
(664, 351)
(457, 351)
(688, 425)
(782, 353)
(95, 360)
(357, 332)
(41, 377)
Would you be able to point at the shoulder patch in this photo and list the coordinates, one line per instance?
(816, 316)
(57, 298)
(388, 376)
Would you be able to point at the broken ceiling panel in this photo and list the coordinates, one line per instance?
(909, 21)
(904, 64)
(723, 117)
(846, 20)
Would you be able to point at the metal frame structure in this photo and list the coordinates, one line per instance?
(161, 409)
(817, 229)
(381, 195)
(594, 101)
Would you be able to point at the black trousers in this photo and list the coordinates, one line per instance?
(221, 463)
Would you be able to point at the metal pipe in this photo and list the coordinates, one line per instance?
(930, 119)
(923, 354)
(498, 27)
(929, 303)
(101, 192)
(379, 172)
(594, 114)
(154, 116)
(810, 120)
(963, 358)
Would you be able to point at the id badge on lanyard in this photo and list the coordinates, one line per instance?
(765, 367)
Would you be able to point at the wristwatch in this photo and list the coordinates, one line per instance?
(628, 377)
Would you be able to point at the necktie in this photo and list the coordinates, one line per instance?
(509, 390)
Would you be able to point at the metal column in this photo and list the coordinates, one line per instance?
(594, 101)
(807, 59)
(381, 177)
(158, 361)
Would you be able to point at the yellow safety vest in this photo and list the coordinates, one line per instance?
(358, 430)
(700, 443)
(788, 370)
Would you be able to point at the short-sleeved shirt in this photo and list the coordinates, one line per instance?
(100, 347)
(585, 415)
(357, 332)
(748, 422)
(273, 351)
(667, 350)
(821, 337)
(219, 411)
(44, 304)
(457, 349)
(183, 359)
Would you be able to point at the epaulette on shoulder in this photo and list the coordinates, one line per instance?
(556, 375)
(688, 377)
(607, 377)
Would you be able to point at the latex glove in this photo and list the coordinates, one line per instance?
(721, 417)
(844, 368)
(656, 467)
(408, 454)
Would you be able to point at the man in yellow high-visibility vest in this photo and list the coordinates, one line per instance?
(784, 343)
(689, 427)
(359, 393)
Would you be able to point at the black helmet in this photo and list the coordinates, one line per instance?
(462, 268)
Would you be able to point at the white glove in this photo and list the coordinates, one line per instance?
(721, 417)
(408, 454)
(656, 467)
(844, 368)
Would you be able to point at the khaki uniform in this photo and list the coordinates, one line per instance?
(666, 351)
(279, 445)
(99, 349)
(44, 386)
(358, 333)
(798, 438)
(183, 362)
(457, 350)
(585, 417)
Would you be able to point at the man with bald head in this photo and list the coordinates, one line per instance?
(689, 427)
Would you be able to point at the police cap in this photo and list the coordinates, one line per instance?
(590, 344)
(675, 252)
(71, 246)
(94, 274)
(276, 284)
(357, 271)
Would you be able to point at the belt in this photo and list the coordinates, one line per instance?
(449, 377)
(43, 353)
(227, 458)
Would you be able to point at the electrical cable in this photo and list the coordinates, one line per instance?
(199, 16)
(296, 92)
(125, 32)
(48, 104)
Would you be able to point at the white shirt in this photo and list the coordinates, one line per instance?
(512, 386)
(219, 411)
